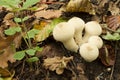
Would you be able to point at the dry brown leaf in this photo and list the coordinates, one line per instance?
(57, 64)
(7, 56)
(107, 55)
(51, 50)
(9, 16)
(17, 40)
(4, 72)
(80, 6)
(100, 6)
(113, 22)
(8, 20)
(5, 42)
(48, 14)
(113, 9)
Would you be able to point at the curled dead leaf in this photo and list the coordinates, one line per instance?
(59, 70)
(107, 55)
(6, 56)
(4, 72)
(113, 8)
(9, 16)
(80, 6)
(57, 64)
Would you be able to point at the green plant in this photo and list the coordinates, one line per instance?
(114, 37)
(15, 7)
(30, 52)
(12, 30)
(15, 4)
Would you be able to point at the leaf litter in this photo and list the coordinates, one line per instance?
(54, 57)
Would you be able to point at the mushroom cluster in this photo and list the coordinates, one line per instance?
(71, 34)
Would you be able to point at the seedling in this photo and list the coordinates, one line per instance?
(15, 7)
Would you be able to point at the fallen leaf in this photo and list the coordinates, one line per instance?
(57, 64)
(113, 8)
(17, 40)
(48, 14)
(107, 55)
(5, 42)
(6, 56)
(8, 20)
(9, 16)
(100, 6)
(40, 24)
(46, 29)
(4, 72)
(112, 37)
(80, 6)
(113, 22)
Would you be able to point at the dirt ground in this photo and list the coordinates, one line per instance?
(78, 68)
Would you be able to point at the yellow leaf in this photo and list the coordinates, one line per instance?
(46, 28)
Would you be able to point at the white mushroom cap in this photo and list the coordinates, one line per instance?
(96, 40)
(92, 28)
(64, 33)
(89, 52)
(79, 25)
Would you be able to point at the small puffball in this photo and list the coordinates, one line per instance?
(92, 28)
(79, 25)
(62, 32)
(89, 52)
(96, 40)
(65, 34)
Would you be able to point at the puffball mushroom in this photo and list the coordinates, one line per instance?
(96, 40)
(92, 28)
(89, 52)
(64, 33)
(79, 25)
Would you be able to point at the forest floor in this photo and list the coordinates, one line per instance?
(105, 67)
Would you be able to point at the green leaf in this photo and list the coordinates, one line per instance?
(12, 30)
(9, 31)
(32, 33)
(25, 18)
(38, 48)
(10, 3)
(17, 20)
(29, 3)
(109, 36)
(32, 59)
(18, 29)
(31, 52)
(1, 78)
(20, 19)
(19, 55)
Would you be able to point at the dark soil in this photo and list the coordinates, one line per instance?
(89, 71)
(77, 69)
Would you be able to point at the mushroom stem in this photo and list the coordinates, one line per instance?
(64, 33)
(79, 25)
(71, 45)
